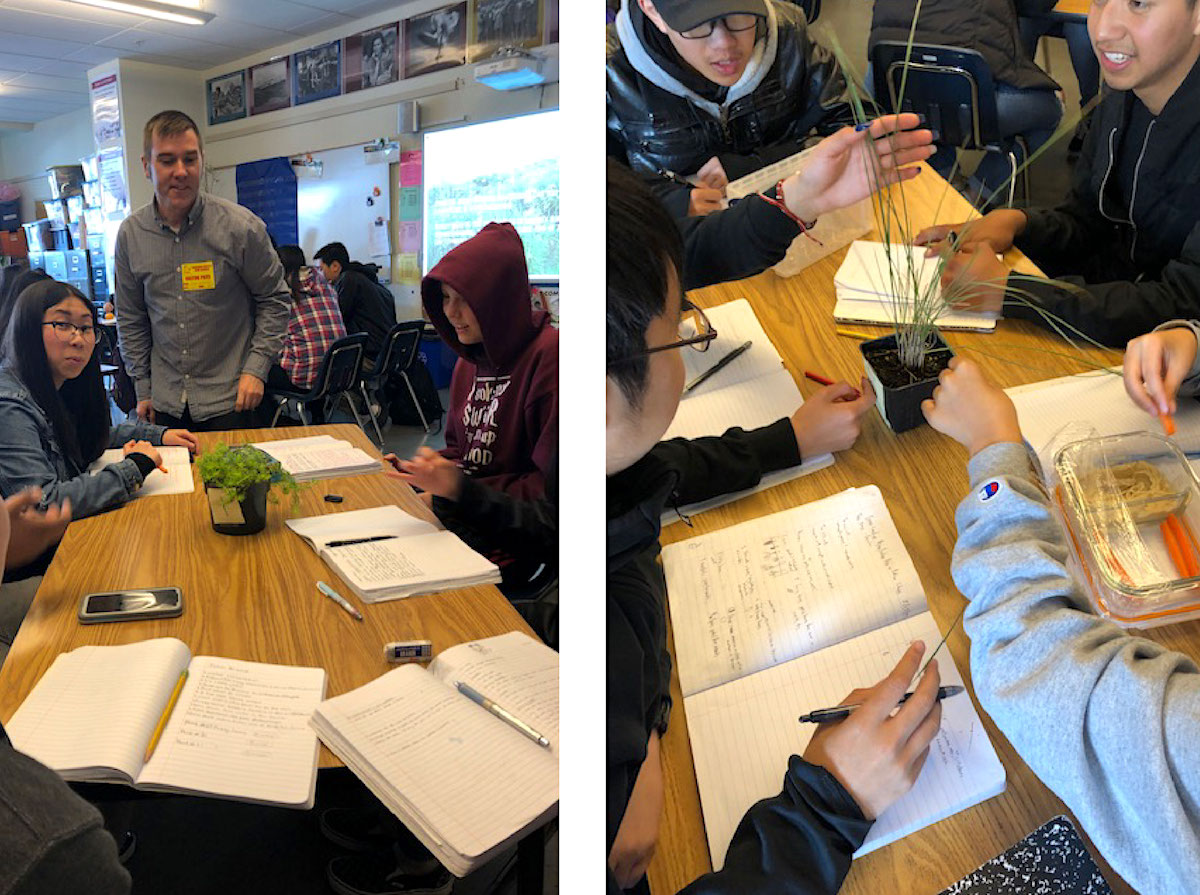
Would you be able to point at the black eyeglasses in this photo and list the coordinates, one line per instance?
(66, 331)
(738, 21)
(700, 341)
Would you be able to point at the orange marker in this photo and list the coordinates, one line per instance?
(1168, 423)
(825, 380)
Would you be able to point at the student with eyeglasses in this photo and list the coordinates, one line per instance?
(710, 90)
(54, 415)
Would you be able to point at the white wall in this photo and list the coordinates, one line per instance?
(25, 155)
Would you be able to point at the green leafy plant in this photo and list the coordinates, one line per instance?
(235, 469)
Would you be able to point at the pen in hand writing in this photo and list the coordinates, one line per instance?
(719, 365)
(838, 712)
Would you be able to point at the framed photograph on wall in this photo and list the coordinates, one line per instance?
(504, 23)
(550, 14)
(227, 97)
(317, 73)
(435, 40)
(372, 57)
(270, 88)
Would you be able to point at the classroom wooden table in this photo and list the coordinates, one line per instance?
(923, 477)
(251, 597)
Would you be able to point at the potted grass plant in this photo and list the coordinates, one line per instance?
(237, 482)
(903, 367)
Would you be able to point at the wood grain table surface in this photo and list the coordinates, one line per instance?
(923, 477)
(252, 597)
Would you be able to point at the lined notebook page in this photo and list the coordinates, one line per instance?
(464, 775)
(387, 520)
(240, 730)
(316, 454)
(439, 556)
(855, 310)
(749, 404)
(513, 670)
(735, 323)
(743, 733)
(176, 480)
(1058, 411)
(865, 269)
(97, 706)
(756, 594)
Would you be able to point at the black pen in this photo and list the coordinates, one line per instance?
(727, 359)
(359, 541)
(674, 178)
(837, 713)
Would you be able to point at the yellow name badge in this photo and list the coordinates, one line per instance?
(198, 276)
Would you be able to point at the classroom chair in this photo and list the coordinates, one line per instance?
(955, 91)
(338, 377)
(396, 358)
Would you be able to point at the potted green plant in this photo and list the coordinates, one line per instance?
(237, 482)
(903, 367)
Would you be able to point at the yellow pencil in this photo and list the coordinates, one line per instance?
(854, 334)
(162, 722)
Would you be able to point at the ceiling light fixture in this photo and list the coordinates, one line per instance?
(154, 9)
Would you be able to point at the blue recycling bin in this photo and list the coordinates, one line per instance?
(439, 358)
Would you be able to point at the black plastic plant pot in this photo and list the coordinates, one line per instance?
(245, 517)
(899, 391)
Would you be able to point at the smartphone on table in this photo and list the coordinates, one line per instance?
(131, 605)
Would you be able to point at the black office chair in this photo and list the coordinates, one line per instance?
(338, 377)
(396, 358)
(954, 89)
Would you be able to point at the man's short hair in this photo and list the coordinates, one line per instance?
(171, 123)
(331, 252)
(642, 240)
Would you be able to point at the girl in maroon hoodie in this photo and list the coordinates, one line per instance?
(502, 427)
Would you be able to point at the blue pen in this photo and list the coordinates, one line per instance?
(837, 713)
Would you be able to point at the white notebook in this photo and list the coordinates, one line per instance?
(753, 390)
(1056, 412)
(176, 480)
(465, 783)
(239, 730)
(319, 457)
(391, 554)
(867, 294)
(789, 613)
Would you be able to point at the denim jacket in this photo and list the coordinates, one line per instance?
(31, 455)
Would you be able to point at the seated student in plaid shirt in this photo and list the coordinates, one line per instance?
(315, 325)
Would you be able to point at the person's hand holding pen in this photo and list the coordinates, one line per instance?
(429, 471)
(875, 754)
(142, 447)
(831, 419)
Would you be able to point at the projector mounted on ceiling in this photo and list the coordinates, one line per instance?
(513, 68)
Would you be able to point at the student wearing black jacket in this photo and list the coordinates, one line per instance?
(365, 303)
(737, 101)
(802, 840)
(1128, 234)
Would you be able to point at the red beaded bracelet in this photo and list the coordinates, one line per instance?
(778, 203)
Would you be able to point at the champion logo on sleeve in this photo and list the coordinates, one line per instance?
(989, 490)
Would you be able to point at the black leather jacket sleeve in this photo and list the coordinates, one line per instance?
(740, 241)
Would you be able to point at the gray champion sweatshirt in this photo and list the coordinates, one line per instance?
(1108, 720)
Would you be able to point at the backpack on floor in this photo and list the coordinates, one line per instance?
(400, 403)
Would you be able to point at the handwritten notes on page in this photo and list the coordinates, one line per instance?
(240, 730)
(743, 733)
(750, 596)
(1056, 412)
(176, 480)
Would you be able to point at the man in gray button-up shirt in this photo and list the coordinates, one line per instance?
(202, 306)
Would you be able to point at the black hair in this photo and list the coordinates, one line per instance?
(642, 241)
(16, 280)
(292, 259)
(78, 411)
(333, 251)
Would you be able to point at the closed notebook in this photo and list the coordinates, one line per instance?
(1052, 860)
(467, 784)
(239, 730)
(385, 554)
(753, 390)
(788, 613)
(869, 292)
